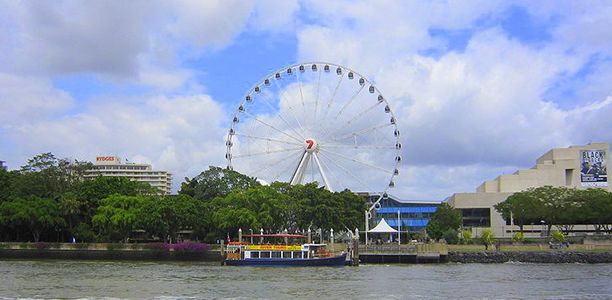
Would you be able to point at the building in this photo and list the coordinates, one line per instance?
(576, 166)
(112, 166)
(2, 165)
(413, 215)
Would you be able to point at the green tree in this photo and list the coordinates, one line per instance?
(48, 177)
(90, 192)
(467, 236)
(487, 238)
(118, 215)
(34, 213)
(216, 182)
(445, 218)
(165, 216)
(597, 208)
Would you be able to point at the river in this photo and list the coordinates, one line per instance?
(189, 280)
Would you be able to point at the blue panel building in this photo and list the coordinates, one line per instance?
(413, 215)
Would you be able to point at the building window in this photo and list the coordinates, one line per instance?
(476, 217)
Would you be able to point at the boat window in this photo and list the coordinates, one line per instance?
(265, 254)
(276, 254)
(254, 254)
(286, 254)
(297, 254)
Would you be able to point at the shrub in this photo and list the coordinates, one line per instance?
(557, 236)
(518, 237)
(42, 245)
(487, 238)
(467, 236)
(4, 245)
(114, 246)
(450, 236)
(81, 245)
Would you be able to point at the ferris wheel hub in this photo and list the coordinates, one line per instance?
(311, 145)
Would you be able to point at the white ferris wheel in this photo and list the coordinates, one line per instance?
(316, 122)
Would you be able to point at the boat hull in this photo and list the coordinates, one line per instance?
(313, 262)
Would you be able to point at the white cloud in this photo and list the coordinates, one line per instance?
(481, 109)
(274, 15)
(182, 134)
(28, 98)
(208, 23)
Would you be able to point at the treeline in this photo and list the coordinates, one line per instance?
(48, 200)
(559, 206)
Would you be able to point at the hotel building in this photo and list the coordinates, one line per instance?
(111, 166)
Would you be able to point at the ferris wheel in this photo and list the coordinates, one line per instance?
(316, 122)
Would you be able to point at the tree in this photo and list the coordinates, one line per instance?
(445, 218)
(165, 216)
(47, 176)
(597, 208)
(36, 214)
(216, 182)
(90, 192)
(487, 238)
(118, 215)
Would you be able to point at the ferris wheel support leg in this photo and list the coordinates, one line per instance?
(327, 185)
(298, 175)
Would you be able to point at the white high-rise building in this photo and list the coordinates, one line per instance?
(111, 166)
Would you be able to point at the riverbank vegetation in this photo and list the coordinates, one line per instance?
(560, 207)
(48, 200)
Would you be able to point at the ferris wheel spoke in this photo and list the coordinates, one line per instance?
(348, 172)
(333, 96)
(360, 132)
(273, 127)
(357, 161)
(266, 139)
(285, 170)
(293, 114)
(317, 97)
(300, 86)
(349, 101)
(356, 146)
(275, 163)
(266, 152)
(357, 116)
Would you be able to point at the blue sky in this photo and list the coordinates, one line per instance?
(480, 88)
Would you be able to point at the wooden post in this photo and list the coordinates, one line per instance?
(355, 252)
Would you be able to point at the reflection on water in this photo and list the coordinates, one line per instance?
(188, 280)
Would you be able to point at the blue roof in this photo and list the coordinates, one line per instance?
(409, 209)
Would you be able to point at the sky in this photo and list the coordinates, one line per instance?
(479, 88)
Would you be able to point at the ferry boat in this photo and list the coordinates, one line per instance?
(309, 254)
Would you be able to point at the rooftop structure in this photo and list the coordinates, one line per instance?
(112, 166)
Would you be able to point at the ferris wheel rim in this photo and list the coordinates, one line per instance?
(302, 67)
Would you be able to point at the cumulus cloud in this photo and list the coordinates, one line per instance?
(181, 134)
(479, 109)
(467, 113)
